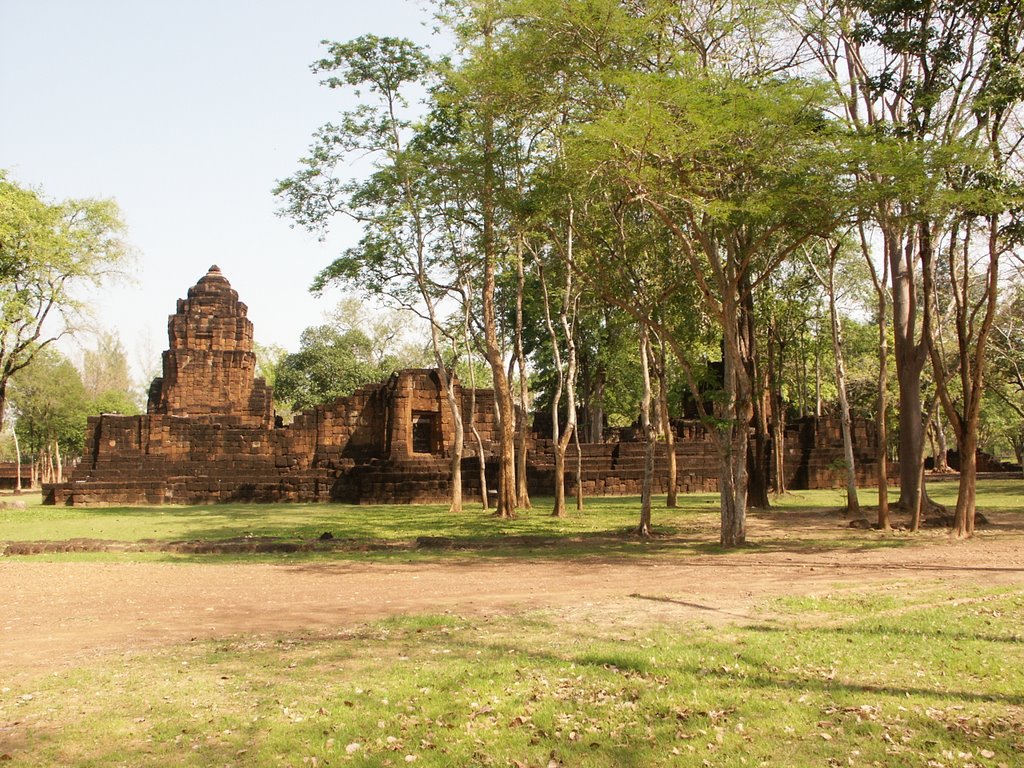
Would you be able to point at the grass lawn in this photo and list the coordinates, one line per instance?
(908, 673)
(897, 677)
(603, 527)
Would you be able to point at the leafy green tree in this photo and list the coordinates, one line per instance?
(403, 253)
(934, 89)
(51, 406)
(1005, 392)
(330, 363)
(741, 174)
(47, 251)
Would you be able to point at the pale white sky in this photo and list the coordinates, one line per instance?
(185, 113)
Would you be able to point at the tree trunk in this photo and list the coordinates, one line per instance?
(852, 501)
(458, 441)
(920, 508)
(558, 444)
(17, 460)
(760, 457)
(910, 357)
(817, 374)
(963, 518)
(559, 508)
(523, 405)
(971, 360)
(802, 373)
(879, 283)
(777, 443)
(454, 408)
(472, 408)
(881, 417)
(597, 407)
(941, 460)
(506, 416)
(666, 427)
(644, 529)
(579, 469)
(734, 433)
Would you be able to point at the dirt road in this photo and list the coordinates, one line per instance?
(55, 614)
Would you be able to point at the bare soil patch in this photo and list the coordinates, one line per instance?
(58, 614)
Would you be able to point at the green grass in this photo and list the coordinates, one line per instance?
(896, 677)
(389, 531)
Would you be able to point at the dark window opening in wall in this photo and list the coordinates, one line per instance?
(423, 433)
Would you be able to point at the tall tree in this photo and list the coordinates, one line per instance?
(47, 252)
(329, 364)
(52, 405)
(737, 172)
(988, 201)
(396, 256)
(911, 76)
(827, 279)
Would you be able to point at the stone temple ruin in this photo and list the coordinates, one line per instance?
(209, 435)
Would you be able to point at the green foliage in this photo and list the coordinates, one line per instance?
(268, 359)
(330, 363)
(50, 404)
(47, 250)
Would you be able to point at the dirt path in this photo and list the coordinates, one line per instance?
(56, 614)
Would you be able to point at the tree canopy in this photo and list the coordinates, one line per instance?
(48, 251)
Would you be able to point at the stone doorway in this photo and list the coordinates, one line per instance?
(423, 433)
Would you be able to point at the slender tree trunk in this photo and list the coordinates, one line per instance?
(644, 529)
(571, 424)
(760, 458)
(557, 442)
(454, 408)
(597, 408)
(778, 418)
(941, 460)
(802, 374)
(579, 469)
(971, 361)
(666, 426)
(817, 372)
(481, 456)
(523, 405)
(852, 501)
(559, 508)
(920, 508)
(17, 462)
(882, 393)
(506, 502)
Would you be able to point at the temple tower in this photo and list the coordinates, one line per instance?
(209, 368)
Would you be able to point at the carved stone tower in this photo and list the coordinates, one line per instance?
(209, 369)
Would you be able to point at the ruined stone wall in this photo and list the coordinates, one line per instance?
(209, 435)
(813, 459)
